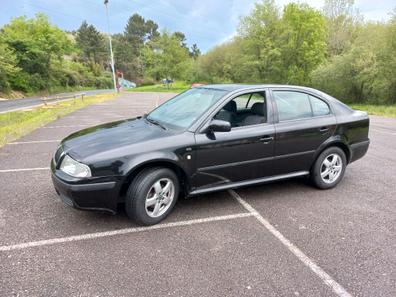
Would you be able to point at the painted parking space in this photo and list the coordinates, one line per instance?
(350, 230)
(31, 210)
(224, 258)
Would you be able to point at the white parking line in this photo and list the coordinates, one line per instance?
(120, 232)
(23, 169)
(33, 141)
(326, 278)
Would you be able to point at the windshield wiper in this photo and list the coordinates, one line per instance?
(155, 122)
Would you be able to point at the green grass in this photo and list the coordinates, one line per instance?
(16, 124)
(381, 110)
(177, 87)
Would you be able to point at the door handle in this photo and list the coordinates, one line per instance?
(324, 129)
(266, 139)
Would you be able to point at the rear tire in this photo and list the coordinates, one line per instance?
(329, 168)
(152, 195)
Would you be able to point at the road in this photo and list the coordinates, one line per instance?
(26, 103)
(280, 239)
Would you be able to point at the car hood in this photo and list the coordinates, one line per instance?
(110, 136)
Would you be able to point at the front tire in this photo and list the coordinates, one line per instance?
(329, 168)
(152, 196)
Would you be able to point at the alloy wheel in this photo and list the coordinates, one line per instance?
(331, 168)
(160, 197)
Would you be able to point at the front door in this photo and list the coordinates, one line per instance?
(243, 153)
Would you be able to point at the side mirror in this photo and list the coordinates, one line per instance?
(219, 126)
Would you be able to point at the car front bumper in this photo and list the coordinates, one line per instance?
(98, 194)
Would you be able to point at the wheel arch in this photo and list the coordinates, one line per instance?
(337, 142)
(163, 163)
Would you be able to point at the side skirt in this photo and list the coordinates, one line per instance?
(247, 183)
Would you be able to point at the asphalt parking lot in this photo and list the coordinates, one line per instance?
(280, 239)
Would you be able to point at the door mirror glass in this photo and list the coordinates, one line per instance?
(219, 126)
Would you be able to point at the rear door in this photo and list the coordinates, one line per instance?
(303, 123)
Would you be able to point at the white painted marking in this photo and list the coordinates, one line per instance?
(23, 169)
(33, 141)
(325, 277)
(120, 232)
(66, 126)
(2, 219)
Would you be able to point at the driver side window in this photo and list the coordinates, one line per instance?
(245, 110)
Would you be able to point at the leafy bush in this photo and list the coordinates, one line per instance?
(36, 55)
(8, 68)
(146, 81)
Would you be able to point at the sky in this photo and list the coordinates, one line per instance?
(204, 22)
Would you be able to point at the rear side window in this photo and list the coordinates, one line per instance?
(319, 107)
(292, 105)
(295, 105)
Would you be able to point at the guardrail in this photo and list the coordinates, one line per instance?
(46, 101)
(33, 102)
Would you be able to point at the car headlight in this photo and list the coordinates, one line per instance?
(74, 168)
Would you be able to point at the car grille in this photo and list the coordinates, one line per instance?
(58, 154)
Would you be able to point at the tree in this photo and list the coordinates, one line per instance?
(365, 73)
(151, 30)
(35, 55)
(195, 51)
(8, 68)
(138, 31)
(182, 38)
(129, 45)
(36, 43)
(125, 58)
(260, 32)
(342, 20)
(165, 57)
(303, 42)
(91, 43)
(283, 48)
(226, 63)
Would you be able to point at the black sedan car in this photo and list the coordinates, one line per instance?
(209, 138)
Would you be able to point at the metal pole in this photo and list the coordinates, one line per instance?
(111, 47)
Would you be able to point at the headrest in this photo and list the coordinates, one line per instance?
(230, 106)
(258, 108)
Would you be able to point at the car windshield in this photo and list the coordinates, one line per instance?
(183, 110)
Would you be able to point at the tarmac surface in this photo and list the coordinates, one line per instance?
(280, 239)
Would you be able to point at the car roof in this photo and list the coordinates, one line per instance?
(239, 87)
(247, 87)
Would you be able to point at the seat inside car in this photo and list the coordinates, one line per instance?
(257, 115)
(228, 113)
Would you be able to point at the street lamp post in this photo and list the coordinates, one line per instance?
(111, 47)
